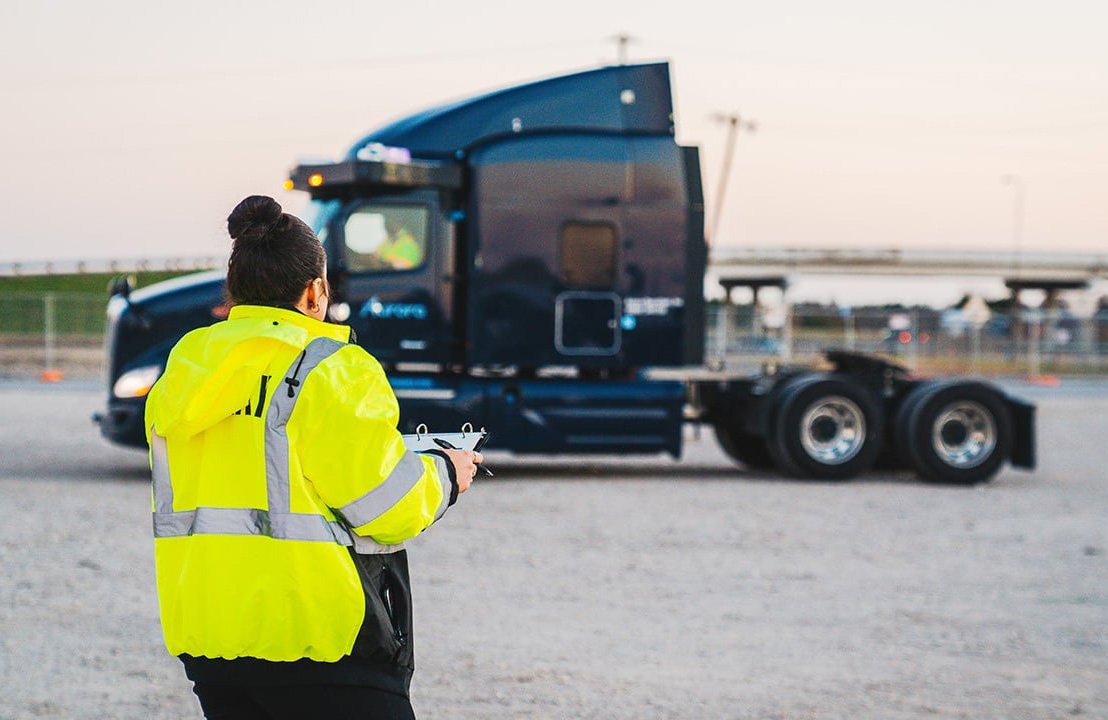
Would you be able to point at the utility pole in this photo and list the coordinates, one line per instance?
(734, 123)
(622, 40)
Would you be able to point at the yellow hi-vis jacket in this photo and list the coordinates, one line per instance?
(274, 448)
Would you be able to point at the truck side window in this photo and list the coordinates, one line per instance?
(386, 238)
(587, 253)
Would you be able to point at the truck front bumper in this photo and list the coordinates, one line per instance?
(121, 423)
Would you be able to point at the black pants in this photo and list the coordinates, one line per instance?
(296, 702)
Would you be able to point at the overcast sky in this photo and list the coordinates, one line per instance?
(131, 128)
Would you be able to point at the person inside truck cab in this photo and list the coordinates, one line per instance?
(283, 493)
(382, 240)
(401, 251)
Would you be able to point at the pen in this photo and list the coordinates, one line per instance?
(447, 446)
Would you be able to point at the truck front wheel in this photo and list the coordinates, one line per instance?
(827, 427)
(957, 433)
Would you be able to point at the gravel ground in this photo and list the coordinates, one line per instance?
(617, 588)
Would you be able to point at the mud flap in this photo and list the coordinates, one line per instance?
(1023, 426)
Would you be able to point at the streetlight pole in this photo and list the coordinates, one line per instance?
(1018, 192)
(1035, 320)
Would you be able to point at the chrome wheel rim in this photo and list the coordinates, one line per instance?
(833, 430)
(964, 434)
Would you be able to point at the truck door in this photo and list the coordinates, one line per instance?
(587, 313)
(394, 254)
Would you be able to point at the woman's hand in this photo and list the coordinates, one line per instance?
(465, 466)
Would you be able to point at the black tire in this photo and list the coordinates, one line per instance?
(901, 442)
(827, 427)
(746, 449)
(955, 432)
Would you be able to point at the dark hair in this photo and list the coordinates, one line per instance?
(274, 256)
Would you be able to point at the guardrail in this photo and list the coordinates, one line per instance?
(766, 261)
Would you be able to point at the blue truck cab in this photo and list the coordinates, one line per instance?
(513, 260)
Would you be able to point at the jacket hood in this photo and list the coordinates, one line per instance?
(213, 371)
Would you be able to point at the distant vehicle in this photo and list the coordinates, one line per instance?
(999, 325)
(520, 260)
(894, 341)
(902, 333)
(954, 322)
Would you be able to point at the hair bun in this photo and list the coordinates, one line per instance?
(254, 218)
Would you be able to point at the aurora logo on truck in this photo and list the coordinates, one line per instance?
(651, 305)
(400, 311)
(636, 307)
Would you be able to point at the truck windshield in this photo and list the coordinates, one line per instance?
(317, 215)
(386, 237)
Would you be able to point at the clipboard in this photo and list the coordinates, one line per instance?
(465, 439)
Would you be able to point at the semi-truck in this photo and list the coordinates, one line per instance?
(531, 260)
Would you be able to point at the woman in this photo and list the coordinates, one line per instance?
(283, 493)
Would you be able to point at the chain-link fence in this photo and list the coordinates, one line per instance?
(1027, 341)
(51, 334)
(44, 332)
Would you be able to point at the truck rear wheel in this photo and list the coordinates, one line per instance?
(746, 449)
(958, 433)
(828, 427)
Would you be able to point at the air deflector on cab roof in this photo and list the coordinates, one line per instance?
(594, 100)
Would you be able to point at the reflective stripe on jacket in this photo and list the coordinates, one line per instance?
(273, 448)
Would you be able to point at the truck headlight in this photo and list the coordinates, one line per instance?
(136, 383)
